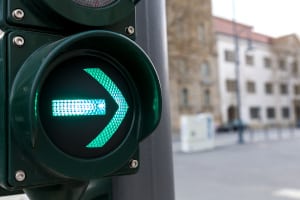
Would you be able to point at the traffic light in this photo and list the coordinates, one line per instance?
(77, 94)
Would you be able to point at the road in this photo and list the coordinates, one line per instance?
(261, 170)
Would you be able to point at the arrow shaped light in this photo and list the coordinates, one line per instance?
(106, 134)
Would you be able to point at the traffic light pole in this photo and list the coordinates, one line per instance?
(154, 181)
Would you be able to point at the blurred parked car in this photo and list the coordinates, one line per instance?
(298, 124)
(232, 126)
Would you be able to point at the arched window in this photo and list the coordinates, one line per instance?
(207, 98)
(184, 97)
(205, 70)
(201, 33)
(231, 113)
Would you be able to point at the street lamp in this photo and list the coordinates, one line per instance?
(237, 74)
(238, 91)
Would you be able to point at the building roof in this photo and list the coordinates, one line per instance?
(289, 38)
(225, 26)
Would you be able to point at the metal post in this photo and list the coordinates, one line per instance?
(154, 181)
(238, 91)
(237, 73)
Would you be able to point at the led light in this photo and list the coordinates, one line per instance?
(105, 135)
(94, 3)
(78, 107)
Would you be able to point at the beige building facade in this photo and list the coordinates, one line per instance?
(192, 60)
(269, 77)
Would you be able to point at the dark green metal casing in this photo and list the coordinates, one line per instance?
(52, 31)
(65, 14)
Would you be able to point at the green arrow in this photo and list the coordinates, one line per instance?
(106, 134)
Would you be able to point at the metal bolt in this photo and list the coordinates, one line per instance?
(130, 30)
(20, 175)
(133, 164)
(18, 41)
(18, 14)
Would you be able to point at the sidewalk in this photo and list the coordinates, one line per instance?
(250, 136)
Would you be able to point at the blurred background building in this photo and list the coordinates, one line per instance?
(192, 59)
(269, 75)
(202, 69)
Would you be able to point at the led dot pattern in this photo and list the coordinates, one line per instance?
(78, 107)
(105, 135)
(94, 3)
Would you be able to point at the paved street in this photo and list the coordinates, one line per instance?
(264, 168)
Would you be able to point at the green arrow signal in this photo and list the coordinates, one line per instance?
(106, 134)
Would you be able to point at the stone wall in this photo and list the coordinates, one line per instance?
(191, 45)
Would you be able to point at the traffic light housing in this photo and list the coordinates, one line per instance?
(77, 93)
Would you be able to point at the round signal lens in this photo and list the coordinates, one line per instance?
(94, 3)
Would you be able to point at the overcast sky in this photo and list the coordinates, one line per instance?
(271, 17)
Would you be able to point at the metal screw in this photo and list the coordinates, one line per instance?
(20, 175)
(25, 89)
(130, 30)
(18, 14)
(18, 41)
(133, 164)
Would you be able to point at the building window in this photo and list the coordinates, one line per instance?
(297, 89)
(205, 70)
(283, 89)
(182, 68)
(285, 112)
(267, 62)
(251, 87)
(269, 88)
(254, 113)
(295, 68)
(201, 33)
(271, 113)
(229, 56)
(249, 60)
(231, 85)
(207, 98)
(282, 64)
(184, 97)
